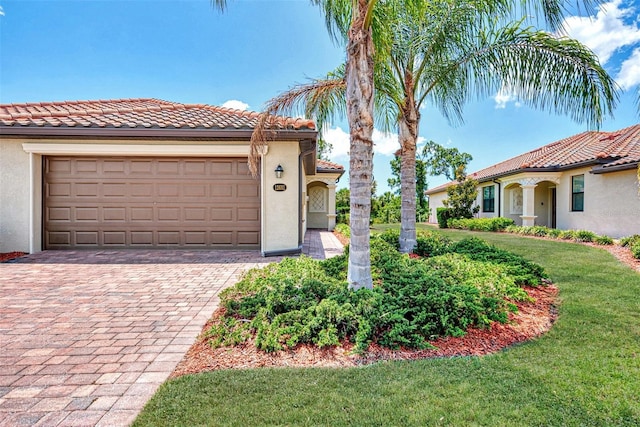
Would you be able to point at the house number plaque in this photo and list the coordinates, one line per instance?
(279, 187)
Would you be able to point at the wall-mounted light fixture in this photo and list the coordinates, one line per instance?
(279, 170)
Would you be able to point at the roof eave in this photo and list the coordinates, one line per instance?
(606, 169)
(151, 133)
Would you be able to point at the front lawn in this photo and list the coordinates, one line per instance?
(583, 372)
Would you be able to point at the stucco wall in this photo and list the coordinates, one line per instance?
(435, 202)
(14, 197)
(611, 203)
(280, 209)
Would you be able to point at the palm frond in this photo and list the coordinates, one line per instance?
(545, 71)
(219, 4)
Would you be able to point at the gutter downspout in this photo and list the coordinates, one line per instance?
(499, 198)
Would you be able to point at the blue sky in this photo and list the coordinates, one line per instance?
(185, 51)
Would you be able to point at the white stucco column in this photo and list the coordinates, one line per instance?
(528, 204)
(331, 211)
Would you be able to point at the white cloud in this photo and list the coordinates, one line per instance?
(384, 143)
(606, 32)
(1, 11)
(339, 140)
(503, 97)
(629, 74)
(238, 105)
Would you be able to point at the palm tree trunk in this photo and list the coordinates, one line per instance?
(408, 135)
(359, 96)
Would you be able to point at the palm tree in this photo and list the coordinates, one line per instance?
(354, 18)
(444, 52)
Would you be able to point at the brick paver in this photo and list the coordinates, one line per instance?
(87, 337)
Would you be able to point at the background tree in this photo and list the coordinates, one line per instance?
(444, 161)
(385, 209)
(342, 205)
(324, 149)
(462, 196)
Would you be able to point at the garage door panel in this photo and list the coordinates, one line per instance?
(114, 238)
(87, 214)
(86, 238)
(143, 202)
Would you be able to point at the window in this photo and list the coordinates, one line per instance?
(488, 198)
(577, 193)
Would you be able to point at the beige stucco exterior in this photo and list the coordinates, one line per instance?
(15, 179)
(282, 212)
(611, 201)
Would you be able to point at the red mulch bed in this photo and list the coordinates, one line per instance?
(532, 320)
(8, 256)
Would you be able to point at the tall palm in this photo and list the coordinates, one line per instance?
(355, 19)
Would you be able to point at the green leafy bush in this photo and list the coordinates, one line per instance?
(585, 236)
(524, 272)
(603, 240)
(480, 224)
(633, 243)
(428, 243)
(431, 244)
(414, 300)
(567, 235)
(554, 233)
(443, 215)
(343, 229)
(630, 240)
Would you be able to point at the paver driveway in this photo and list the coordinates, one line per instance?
(86, 337)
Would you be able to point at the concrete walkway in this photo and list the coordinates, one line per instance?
(87, 337)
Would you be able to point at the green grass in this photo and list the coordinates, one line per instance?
(584, 372)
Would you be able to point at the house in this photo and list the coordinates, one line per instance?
(147, 173)
(587, 181)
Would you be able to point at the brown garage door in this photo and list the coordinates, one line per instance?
(150, 202)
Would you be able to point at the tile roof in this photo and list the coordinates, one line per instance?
(326, 166)
(136, 114)
(603, 150)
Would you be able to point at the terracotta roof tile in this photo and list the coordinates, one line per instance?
(324, 165)
(602, 149)
(137, 113)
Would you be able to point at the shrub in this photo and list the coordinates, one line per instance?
(633, 243)
(300, 300)
(430, 243)
(515, 229)
(554, 233)
(630, 240)
(523, 271)
(603, 240)
(567, 235)
(480, 224)
(343, 229)
(584, 236)
(443, 215)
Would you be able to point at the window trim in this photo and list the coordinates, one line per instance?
(491, 200)
(577, 194)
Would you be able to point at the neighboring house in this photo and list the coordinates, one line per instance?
(587, 181)
(146, 173)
